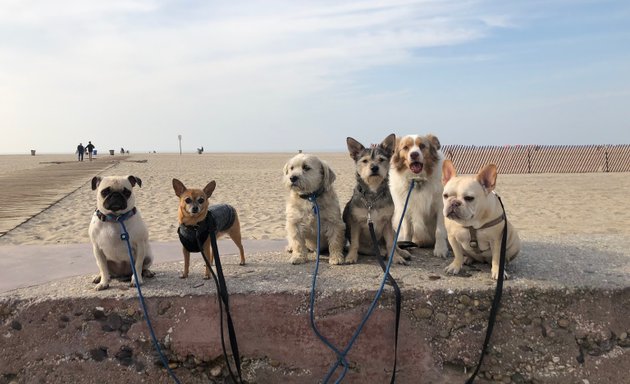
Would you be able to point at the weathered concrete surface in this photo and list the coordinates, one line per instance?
(565, 318)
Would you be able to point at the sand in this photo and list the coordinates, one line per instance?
(539, 205)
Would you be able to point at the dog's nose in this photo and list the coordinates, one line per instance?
(293, 179)
(374, 168)
(456, 203)
(195, 209)
(414, 155)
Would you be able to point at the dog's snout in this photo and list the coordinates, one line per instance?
(414, 155)
(195, 209)
(456, 203)
(293, 179)
(374, 168)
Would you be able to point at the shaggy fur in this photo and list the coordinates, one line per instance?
(306, 175)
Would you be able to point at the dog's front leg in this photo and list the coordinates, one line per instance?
(102, 280)
(336, 236)
(138, 258)
(208, 252)
(458, 252)
(441, 246)
(353, 251)
(186, 263)
(298, 244)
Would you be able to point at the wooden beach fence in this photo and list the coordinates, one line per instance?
(468, 159)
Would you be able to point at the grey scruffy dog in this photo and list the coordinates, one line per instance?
(371, 201)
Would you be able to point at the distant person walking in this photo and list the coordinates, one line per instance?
(90, 148)
(80, 151)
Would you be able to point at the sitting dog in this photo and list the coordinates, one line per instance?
(371, 201)
(197, 218)
(115, 202)
(475, 219)
(419, 158)
(306, 176)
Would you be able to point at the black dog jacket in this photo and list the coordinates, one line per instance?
(220, 218)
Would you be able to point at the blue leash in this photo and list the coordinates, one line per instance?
(342, 355)
(125, 236)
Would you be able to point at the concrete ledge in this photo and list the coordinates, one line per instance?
(565, 318)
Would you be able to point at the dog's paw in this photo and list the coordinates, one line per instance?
(97, 279)
(297, 259)
(400, 260)
(183, 275)
(206, 277)
(405, 254)
(453, 268)
(495, 274)
(440, 250)
(134, 283)
(288, 249)
(352, 258)
(336, 258)
(101, 286)
(148, 274)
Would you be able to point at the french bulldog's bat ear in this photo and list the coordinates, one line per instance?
(96, 180)
(354, 147)
(208, 189)
(487, 176)
(134, 180)
(179, 187)
(448, 171)
(389, 144)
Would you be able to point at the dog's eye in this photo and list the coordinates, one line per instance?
(291, 167)
(188, 200)
(105, 192)
(405, 148)
(469, 198)
(200, 200)
(422, 146)
(365, 161)
(445, 195)
(306, 167)
(126, 193)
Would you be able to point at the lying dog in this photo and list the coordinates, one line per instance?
(419, 158)
(197, 218)
(371, 201)
(115, 202)
(307, 176)
(475, 219)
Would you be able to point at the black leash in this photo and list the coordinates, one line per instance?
(222, 292)
(497, 298)
(396, 292)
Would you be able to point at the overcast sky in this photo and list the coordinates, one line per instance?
(287, 75)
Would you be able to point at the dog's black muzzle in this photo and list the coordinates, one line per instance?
(115, 201)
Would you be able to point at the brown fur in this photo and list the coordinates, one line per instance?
(187, 217)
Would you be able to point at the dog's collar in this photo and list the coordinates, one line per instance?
(313, 195)
(474, 244)
(115, 218)
(369, 203)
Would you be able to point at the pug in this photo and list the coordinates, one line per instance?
(115, 202)
(474, 219)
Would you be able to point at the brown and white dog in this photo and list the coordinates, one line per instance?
(419, 158)
(475, 219)
(197, 218)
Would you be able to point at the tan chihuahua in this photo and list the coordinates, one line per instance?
(197, 218)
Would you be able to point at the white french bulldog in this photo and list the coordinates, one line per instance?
(115, 202)
(474, 219)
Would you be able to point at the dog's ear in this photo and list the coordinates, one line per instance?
(208, 189)
(434, 141)
(96, 180)
(285, 169)
(448, 171)
(487, 176)
(134, 180)
(179, 187)
(389, 144)
(329, 176)
(354, 147)
(396, 156)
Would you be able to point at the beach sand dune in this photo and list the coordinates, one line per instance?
(539, 205)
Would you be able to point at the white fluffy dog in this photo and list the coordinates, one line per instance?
(306, 176)
(419, 158)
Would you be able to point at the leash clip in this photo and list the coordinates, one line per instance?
(124, 236)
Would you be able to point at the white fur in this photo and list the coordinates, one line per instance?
(423, 222)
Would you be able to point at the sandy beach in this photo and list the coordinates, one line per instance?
(539, 205)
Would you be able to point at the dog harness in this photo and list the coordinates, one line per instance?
(474, 244)
(220, 218)
(114, 218)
